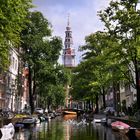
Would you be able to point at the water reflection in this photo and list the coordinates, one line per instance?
(58, 129)
(69, 117)
(68, 129)
(22, 135)
(106, 133)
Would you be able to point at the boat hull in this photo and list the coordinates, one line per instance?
(7, 132)
(137, 133)
(69, 112)
(120, 126)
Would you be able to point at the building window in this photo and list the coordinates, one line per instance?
(121, 84)
(127, 89)
(8, 81)
(16, 65)
(13, 62)
(67, 46)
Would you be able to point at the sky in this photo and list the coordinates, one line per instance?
(83, 18)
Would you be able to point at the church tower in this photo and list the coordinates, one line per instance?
(68, 51)
(68, 61)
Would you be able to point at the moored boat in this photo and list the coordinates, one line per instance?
(69, 117)
(7, 132)
(28, 122)
(120, 126)
(137, 133)
(70, 112)
(18, 126)
(131, 133)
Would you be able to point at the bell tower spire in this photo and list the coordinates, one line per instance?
(68, 23)
(68, 51)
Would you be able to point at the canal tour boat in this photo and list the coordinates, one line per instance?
(7, 132)
(120, 126)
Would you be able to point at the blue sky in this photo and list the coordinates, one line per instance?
(83, 18)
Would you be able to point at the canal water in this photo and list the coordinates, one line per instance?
(63, 129)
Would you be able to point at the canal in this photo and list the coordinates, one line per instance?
(63, 129)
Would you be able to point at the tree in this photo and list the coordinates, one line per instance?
(101, 60)
(13, 15)
(51, 85)
(122, 21)
(97, 50)
(34, 47)
(41, 52)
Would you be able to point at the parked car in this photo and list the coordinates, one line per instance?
(39, 110)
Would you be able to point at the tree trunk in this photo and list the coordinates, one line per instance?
(84, 105)
(104, 102)
(97, 105)
(30, 91)
(49, 103)
(136, 63)
(114, 96)
(34, 90)
(92, 104)
(137, 83)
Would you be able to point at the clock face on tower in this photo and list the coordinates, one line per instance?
(69, 51)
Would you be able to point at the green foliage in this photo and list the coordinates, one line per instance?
(4, 53)
(122, 21)
(97, 61)
(32, 36)
(41, 52)
(111, 56)
(101, 67)
(82, 75)
(13, 15)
